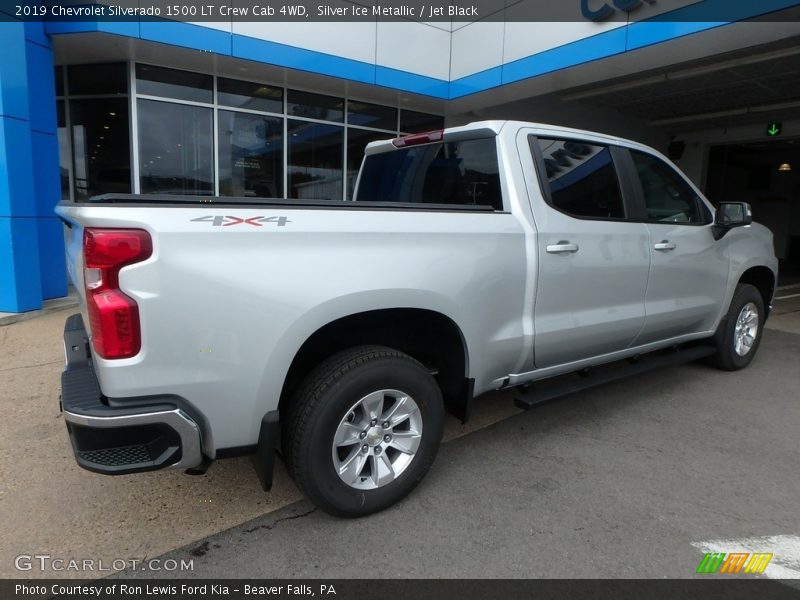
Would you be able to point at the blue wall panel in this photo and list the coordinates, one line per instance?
(47, 186)
(411, 82)
(126, 28)
(52, 265)
(20, 284)
(34, 32)
(579, 52)
(13, 74)
(477, 82)
(17, 197)
(31, 237)
(41, 88)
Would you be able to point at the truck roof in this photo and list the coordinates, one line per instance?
(494, 127)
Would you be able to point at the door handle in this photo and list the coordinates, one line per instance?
(562, 247)
(665, 246)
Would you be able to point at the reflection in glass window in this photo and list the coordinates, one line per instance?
(314, 106)
(92, 80)
(583, 180)
(250, 155)
(175, 148)
(463, 172)
(315, 160)
(63, 149)
(417, 122)
(371, 115)
(171, 83)
(249, 95)
(357, 140)
(100, 147)
(667, 197)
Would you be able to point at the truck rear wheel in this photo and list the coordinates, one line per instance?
(739, 334)
(362, 430)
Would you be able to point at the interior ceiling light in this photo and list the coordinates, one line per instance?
(785, 167)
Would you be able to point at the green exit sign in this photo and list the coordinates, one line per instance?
(774, 129)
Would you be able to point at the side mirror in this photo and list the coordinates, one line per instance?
(730, 215)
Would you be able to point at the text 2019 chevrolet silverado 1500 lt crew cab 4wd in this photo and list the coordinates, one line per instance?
(486, 256)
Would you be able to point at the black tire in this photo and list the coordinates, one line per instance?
(726, 357)
(325, 398)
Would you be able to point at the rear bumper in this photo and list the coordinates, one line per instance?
(114, 440)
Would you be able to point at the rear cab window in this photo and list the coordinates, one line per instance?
(460, 173)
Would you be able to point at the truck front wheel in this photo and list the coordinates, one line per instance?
(362, 430)
(739, 334)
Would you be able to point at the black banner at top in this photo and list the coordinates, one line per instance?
(434, 11)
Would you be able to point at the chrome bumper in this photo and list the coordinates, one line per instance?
(117, 440)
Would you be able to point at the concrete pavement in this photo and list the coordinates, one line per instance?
(619, 481)
(50, 505)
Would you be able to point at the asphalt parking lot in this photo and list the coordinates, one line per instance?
(633, 479)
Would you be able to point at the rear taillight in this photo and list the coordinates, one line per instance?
(418, 138)
(113, 316)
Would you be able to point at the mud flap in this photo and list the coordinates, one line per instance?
(264, 457)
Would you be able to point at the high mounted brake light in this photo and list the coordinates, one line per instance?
(113, 316)
(418, 139)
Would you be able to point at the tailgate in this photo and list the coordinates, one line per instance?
(73, 241)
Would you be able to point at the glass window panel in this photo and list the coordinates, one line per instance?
(315, 160)
(250, 155)
(464, 172)
(667, 197)
(175, 148)
(100, 147)
(315, 106)
(357, 140)
(582, 178)
(171, 83)
(64, 154)
(371, 115)
(93, 80)
(417, 122)
(246, 94)
(59, 76)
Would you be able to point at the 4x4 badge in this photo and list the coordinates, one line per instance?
(228, 221)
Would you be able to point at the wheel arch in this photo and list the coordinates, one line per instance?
(763, 279)
(429, 336)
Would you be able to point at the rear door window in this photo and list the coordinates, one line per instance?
(462, 173)
(581, 179)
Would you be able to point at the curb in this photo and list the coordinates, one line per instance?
(68, 301)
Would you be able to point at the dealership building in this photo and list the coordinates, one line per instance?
(285, 109)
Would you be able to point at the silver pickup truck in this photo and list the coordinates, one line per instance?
(339, 333)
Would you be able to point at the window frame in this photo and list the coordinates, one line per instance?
(638, 190)
(134, 94)
(627, 191)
